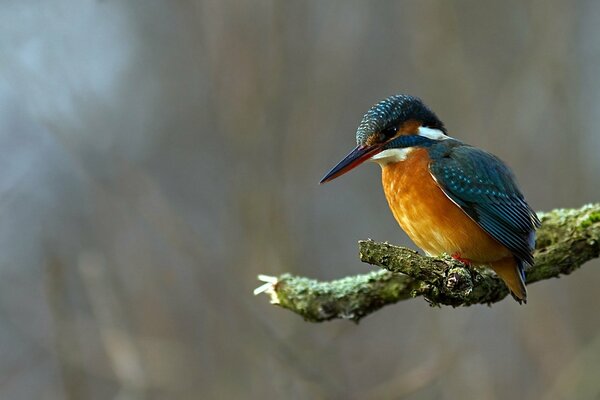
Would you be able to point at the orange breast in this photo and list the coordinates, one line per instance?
(429, 217)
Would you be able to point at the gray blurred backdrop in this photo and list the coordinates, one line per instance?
(157, 155)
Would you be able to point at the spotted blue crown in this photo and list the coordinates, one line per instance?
(392, 112)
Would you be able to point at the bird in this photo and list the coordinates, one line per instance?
(448, 196)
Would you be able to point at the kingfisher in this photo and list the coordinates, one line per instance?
(449, 197)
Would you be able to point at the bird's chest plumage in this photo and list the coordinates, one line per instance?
(429, 217)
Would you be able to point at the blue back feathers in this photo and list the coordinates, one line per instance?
(485, 188)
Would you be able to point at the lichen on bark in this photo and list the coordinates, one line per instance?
(566, 240)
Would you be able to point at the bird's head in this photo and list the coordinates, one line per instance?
(389, 130)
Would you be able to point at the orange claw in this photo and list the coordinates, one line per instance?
(465, 261)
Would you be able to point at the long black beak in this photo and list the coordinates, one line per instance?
(359, 155)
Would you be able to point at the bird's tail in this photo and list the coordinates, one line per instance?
(512, 272)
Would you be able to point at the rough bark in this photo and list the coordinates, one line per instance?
(566, 240)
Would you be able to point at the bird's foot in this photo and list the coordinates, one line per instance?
(465, 261)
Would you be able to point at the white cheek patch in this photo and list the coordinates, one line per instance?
(391, 155)
(434, 134)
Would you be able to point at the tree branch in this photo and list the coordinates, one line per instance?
(566, 240)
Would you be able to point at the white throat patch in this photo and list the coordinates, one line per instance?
(391, 155)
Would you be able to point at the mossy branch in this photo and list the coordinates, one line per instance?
(566, 240)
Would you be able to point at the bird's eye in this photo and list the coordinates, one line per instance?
(388, 133)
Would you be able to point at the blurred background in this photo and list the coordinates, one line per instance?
(155, 156)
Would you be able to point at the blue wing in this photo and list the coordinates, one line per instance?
(485, 188)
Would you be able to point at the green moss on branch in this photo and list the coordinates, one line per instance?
(566, 240)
